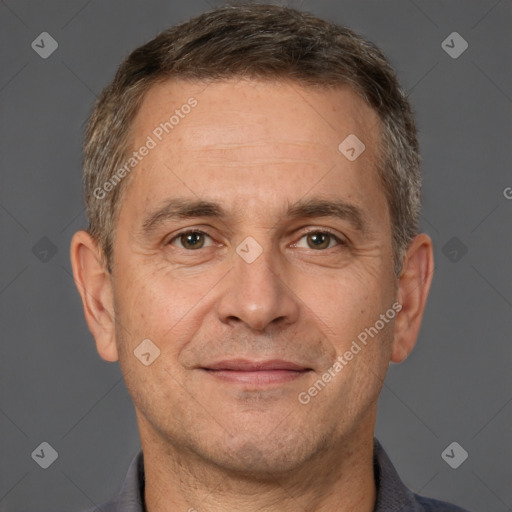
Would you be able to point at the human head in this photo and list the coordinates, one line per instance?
(290, 303)
(253, 41)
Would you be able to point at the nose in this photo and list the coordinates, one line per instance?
(256, 292)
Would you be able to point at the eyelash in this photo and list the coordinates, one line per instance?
(316, 231)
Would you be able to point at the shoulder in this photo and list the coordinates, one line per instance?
(110, 506)
(130, 497)
(393, 495)
(432, 505)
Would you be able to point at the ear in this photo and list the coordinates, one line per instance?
(93, 282)
(413, 288)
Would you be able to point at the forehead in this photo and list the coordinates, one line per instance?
(262, 138)
(248, 109)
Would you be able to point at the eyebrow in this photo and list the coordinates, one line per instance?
(179, 208)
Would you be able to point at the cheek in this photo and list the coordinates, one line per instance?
(160, 305)
(351, 300)
(352, 309)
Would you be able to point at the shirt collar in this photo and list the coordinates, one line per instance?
(392, 494)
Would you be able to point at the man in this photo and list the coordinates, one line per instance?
(253, 261)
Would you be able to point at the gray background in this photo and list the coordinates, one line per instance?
(456, 384)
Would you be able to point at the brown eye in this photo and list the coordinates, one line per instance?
(190, 240)
(319, 240)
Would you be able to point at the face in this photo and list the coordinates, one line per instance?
(253, 253)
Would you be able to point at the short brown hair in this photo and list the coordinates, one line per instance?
(265, 42)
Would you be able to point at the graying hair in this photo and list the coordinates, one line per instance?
(265, 42)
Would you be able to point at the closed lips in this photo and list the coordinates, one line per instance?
(242, 365)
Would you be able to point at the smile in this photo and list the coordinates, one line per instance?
(253, 373)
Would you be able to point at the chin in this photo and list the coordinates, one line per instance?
(256, 455)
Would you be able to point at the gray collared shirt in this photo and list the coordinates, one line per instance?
(392, 494)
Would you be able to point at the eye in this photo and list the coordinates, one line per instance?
(195, 239)
(190, 240)
(319, 240)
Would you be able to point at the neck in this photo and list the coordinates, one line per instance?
(341, 478)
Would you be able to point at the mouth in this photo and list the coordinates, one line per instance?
(256, 373)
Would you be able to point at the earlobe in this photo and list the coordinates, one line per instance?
(93, 282)
(414, 285)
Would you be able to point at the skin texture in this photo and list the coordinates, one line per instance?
(255, 148)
